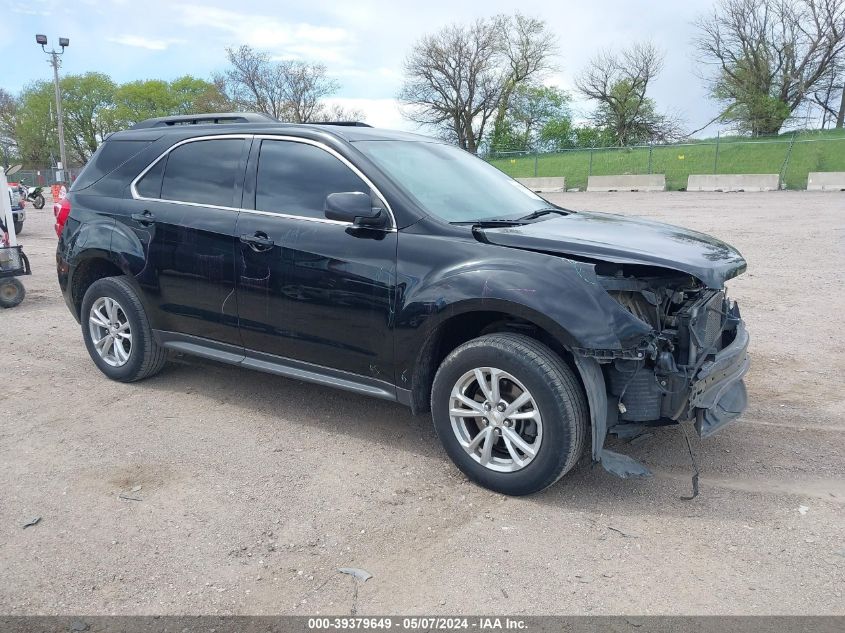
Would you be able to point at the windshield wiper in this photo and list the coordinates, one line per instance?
(489, 222)
(541, 212)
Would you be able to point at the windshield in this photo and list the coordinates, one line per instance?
(450, 183)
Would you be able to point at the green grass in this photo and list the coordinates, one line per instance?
(811, 151)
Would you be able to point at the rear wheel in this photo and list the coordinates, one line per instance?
(12, 292)
(509, 412)
(117, 332)
(38, 201)
(18, 227)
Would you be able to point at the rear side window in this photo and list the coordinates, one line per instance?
(202, 172)
(150, 185)
(295, 178)
(109, 156)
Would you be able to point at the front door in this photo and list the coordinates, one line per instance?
(184, 210)
(312, 289)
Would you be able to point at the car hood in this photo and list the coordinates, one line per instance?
(626, 240)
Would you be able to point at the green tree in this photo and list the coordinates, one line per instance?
(591, 136)
(528, 46)
(533, 109)
(8, 113)
(191, 95)
(770, 56)
(618, 83)
(145, 99)
(631, 118)
(88, 102)
(748, 102)
(34, 124)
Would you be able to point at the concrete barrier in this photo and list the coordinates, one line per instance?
(733, 182)
(544, 184)
(826, 181)
(628, 182)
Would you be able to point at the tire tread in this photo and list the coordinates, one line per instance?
(154, 355)
(565, 385)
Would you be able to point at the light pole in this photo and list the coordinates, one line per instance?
(55, 62)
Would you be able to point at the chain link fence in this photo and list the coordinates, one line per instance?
(46, 177)
(792, 157)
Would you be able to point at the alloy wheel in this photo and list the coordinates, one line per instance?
(495, 419)
(110, 331)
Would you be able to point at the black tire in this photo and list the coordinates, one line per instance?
(18, 227)
(38, 202)
(12, 292)
(558, 395)
(146, 357)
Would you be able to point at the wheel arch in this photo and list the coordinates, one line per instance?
(471, 320)
(92, 265)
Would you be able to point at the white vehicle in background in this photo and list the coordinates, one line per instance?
(17, 202)
(13, 262)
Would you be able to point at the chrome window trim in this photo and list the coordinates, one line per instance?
(272, 137)
(213, 137)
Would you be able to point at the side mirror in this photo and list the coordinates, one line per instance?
(355, 207)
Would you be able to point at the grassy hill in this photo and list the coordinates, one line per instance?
(793, 158)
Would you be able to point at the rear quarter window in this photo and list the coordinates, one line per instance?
(109, 156)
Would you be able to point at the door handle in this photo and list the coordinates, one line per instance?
(258, 241)
(146, 218)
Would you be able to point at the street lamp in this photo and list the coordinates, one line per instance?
(55, 62)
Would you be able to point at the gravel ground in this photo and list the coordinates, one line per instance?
(251, 490)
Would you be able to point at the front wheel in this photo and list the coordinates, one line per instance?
(18, 227)
(38, 201)
(117, 332)
(509, 412)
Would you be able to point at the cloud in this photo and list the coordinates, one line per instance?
(142, 42)
(382, 72)
(285, 40)
(379, 112)
(25, 9)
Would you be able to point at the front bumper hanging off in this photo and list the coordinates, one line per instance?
(718, 393)
(716, 396)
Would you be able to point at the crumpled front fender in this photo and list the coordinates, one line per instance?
(594, 385)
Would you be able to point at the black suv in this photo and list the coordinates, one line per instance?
(401, 267)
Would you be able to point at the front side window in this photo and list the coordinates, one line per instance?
(202, 172)
(295, 178)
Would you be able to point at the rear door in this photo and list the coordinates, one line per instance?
(184, 209)
(312, 289)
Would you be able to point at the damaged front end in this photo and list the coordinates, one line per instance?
(690, 367)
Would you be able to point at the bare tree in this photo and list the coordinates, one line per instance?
(770, 56)
(303, 88)
(288, 90)
(252, 82)
(336, 113)
(840, 118)
(457, 79)
(830, 95)
(618, 82)
(528, 47)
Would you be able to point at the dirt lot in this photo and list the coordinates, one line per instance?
(255, 489)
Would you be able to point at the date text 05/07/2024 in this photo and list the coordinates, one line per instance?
(417, 623)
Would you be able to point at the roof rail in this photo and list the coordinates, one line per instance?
(212, 117)
(344, 123)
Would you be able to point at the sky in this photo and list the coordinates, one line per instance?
(362, 42)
